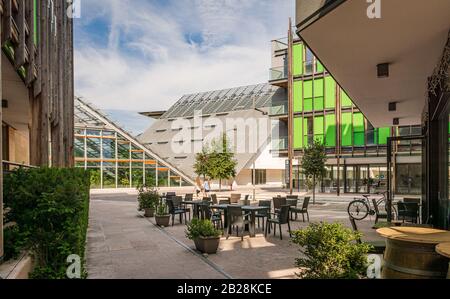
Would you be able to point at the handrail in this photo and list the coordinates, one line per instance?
(20, 165)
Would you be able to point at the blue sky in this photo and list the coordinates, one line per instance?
(143, 55)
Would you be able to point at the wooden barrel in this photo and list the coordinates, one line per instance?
(444, 250)
(411, 253)
(409, 260)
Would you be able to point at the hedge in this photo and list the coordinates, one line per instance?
(51, 209)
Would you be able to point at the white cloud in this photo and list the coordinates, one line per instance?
(146, 63)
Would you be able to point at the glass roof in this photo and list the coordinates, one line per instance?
(221, 101)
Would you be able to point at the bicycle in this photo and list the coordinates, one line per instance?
(360, 208)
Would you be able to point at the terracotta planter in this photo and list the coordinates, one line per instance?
(207, 245)
(162, 220)
(149, 212)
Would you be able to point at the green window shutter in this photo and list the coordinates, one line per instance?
(305, 130)
(318, 103)
(308, 86)
(358, 129)
(320, 67)
(318, 88)
(346, 129)
(345, 100)
(318, 125)
(298, 133)
(308, 104)
(383, 134)
(330, 132)
(297, 53)
(318, 94)
(330, 93)
(298, 105)
(318, 129)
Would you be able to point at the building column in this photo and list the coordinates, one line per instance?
(1, 153)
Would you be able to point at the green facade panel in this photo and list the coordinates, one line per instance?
(308, 104)
(330, 131)
(345, 100)
(318, 125)
(298, 93)
(305, 131)
(318, 88)
(383, 135)
(297, 53)
(320, 67)
(298, 132)
(346, 129)
(308, 86)
(330, 93)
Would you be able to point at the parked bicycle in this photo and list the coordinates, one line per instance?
(360, 208)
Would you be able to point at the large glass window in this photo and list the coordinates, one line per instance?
(79, 147)
(109, 148)
(124, 175)
(93, 147)
(408, 178)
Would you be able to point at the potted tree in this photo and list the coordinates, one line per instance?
(148, 199)
(162, 216)
(205, 236)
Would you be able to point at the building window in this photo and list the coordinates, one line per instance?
(261, 176)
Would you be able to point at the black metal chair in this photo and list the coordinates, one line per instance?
(292, 197)
(207, 214)
(292, 202)
(175, 208)
(278, 202)
(303, 210)
(408, 211)
(378, 213)
(263, 214)
(282, 217)
(224, 202)
(378, 247)
(236, 218)
(214, 199)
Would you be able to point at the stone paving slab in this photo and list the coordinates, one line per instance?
(123, 244)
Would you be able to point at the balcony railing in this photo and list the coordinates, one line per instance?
(278, 109)
(280, 144)
(280, 45)
(278, 73)
(10, 166)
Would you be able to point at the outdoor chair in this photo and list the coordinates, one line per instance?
(263, 214)
(292, 202)
(238, 220)
(412, 199)
(207, 214)
(378, 213)
(245, 201)
(224, 202)
(234, 199)
(278, 202)
(292, 197)
(188, 197)
(282, 217)
(175, 208)
(378, 247)
(303, 210)
(214, 199)
(408, 211)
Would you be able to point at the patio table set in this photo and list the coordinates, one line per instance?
(232, 213)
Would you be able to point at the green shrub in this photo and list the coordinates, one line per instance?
(162, 210)
(331, 252)
(51, 207)
(148, 198)
(201, 228)
(15, 242)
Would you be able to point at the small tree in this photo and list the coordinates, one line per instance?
(313, 163)
(216, 162)
(222, 165)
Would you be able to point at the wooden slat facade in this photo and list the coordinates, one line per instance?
(37, 38)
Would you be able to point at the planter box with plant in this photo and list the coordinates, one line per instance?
(162, 216)
(331, 251)
(148, 199)
(205, 236)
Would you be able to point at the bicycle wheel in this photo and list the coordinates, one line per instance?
(358, 209)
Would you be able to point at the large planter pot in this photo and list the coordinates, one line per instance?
(150, 212)
(162, 220)
(207, 245)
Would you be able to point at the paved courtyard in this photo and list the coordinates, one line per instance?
(123, 244)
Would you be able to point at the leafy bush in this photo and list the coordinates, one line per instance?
(331, 252)
(201, 228)
(162, 210)
(51, 207)
(14, 242)
(148, 198)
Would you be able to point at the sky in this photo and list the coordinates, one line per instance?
(143, 55)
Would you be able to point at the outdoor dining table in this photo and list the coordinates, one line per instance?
(252, 209)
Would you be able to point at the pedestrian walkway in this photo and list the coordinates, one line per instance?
(122, 245)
